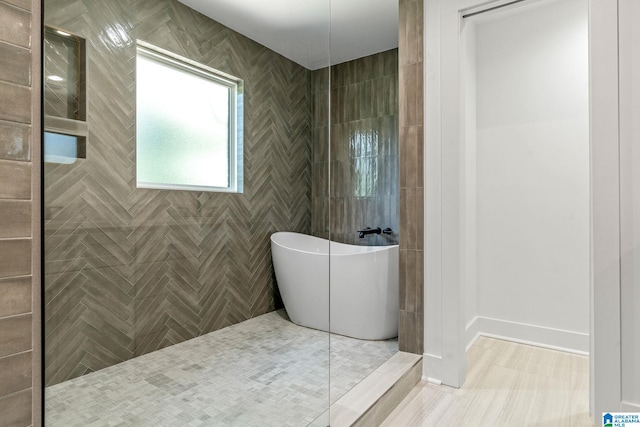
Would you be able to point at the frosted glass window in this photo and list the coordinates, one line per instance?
(187, 125)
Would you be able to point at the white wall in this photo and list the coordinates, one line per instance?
(442, 127)
(630, 201)
(532, 178)
(433, 325)
(469, 94)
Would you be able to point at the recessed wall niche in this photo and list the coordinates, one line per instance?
(65, 123)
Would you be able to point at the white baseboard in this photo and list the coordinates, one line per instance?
(472, 332)
(630, 407)
(556, 339)
(431, 368)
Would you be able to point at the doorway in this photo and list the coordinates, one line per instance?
(609, 50)
(450, 201)
(525, 163)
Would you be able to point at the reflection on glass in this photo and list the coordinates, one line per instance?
(365, 177)
(363, 143)
(116, 36)
(60, 148)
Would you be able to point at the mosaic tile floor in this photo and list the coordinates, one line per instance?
(262, 372)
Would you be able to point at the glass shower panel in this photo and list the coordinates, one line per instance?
(629, 13)
(363, 207)
(161, 305)
(321, 202)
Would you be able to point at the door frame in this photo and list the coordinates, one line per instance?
(445, 351)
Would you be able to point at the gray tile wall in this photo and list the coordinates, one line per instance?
(411, 321)
(19, 142)
(19, 214)
(363, 155)
(128, 270)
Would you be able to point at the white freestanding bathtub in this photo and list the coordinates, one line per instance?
(361, 282)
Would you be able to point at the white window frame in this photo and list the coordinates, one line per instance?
(235, 141)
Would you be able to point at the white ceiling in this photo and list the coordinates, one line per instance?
(303, 30)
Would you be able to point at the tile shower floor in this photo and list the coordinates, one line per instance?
(262, 372)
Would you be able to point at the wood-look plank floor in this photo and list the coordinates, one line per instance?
(508, 384)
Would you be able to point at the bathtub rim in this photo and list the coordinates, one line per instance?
(354, 249)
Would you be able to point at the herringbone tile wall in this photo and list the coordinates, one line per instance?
(128, 270)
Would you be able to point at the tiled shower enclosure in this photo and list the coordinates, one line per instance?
(128, 270)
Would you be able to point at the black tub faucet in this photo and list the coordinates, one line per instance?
(368, 230)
